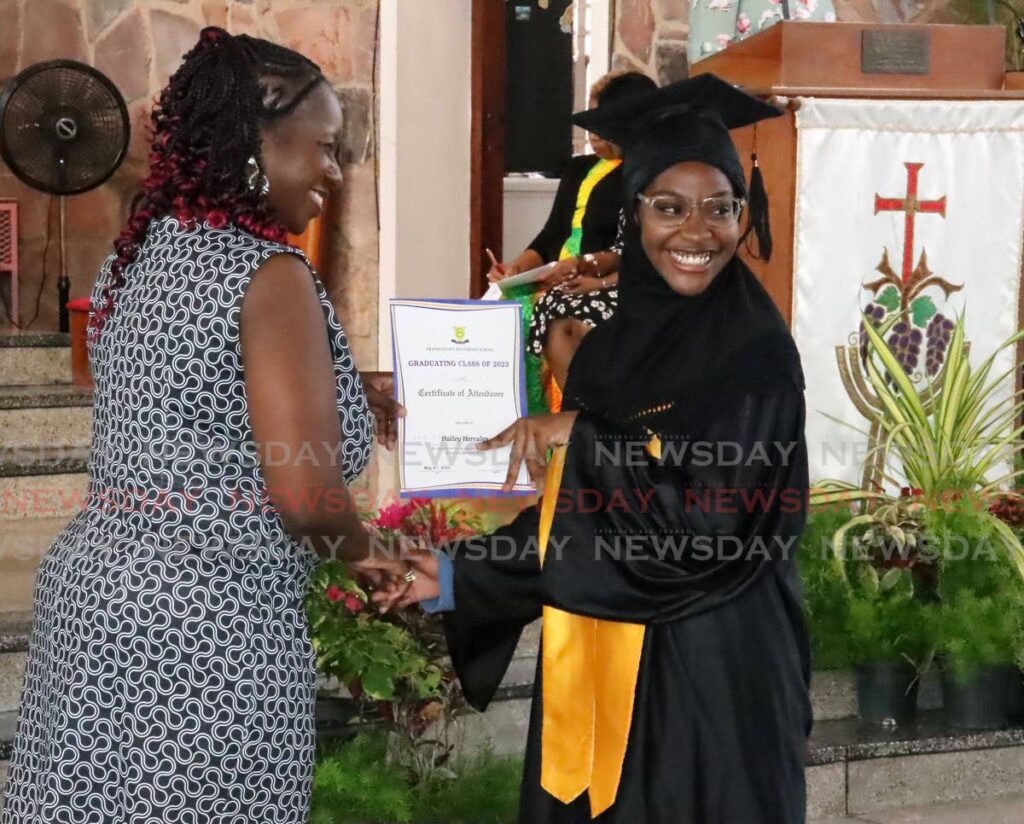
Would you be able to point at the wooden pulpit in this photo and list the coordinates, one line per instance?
(802, 59)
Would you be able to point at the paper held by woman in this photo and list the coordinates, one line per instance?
(530, 276)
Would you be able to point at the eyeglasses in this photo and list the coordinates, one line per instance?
(673, 210)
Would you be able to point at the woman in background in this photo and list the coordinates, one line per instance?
(170, 675)
(582, 234)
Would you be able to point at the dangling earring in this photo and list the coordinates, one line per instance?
(256, 179)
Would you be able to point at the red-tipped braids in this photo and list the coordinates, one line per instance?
(205, 127)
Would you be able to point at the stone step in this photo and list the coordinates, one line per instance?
(1003, 811)
(32, 462)
(12, 678)
(34, 358)
(52, 498)
(851, 771)
(863, 771)
(501, 729)
(8, 722)
(15, 628)
(40, 491)
(833, 694)
(22, 545)
(523, 667)
(43, 396)
(40, 427)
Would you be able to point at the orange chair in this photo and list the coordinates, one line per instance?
(9, 250)
(78, 312)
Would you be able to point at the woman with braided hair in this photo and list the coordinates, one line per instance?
(170, 676)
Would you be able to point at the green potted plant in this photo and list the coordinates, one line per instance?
(864, 607)
(826, 591)
(978, 677)
(891, 585)
(891, 630)
(1009, 508)
(945, 437)
(979, 623)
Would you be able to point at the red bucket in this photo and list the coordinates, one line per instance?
(78, 310)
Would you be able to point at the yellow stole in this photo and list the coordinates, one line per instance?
(590, 670)
(597, 173)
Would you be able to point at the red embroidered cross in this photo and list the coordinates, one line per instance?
(910, 205)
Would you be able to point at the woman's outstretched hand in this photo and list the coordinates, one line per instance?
(380, 387)
(414, 581)
(382, 564)
(531, 438)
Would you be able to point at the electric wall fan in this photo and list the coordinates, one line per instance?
(64, 130)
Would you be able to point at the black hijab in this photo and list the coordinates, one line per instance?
(661, 347)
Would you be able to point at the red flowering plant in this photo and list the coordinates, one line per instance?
(1008, 507)
(396, 664)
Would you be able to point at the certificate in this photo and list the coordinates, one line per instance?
(532, 276)
(459, 373)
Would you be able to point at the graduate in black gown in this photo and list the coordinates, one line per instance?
(672, 686)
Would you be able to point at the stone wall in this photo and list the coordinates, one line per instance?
(651, 35)
(138, 44)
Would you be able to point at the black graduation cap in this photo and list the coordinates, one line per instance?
(624, 122)
(686, 121)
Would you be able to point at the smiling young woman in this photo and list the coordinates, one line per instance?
(673, 680)
(690, 228)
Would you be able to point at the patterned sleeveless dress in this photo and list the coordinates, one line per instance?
(170, 675)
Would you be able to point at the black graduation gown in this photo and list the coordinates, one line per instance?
(722, 710)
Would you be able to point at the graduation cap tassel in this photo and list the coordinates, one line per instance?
(758, 205)
(757, 202)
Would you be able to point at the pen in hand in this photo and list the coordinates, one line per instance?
(494, 261)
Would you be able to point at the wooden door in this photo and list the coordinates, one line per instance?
(487, 145)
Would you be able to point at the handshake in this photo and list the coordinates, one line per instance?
(399, 578)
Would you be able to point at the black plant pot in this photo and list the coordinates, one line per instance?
(1015, 703)
(981, 701)
(336, 717)
(887, 692)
